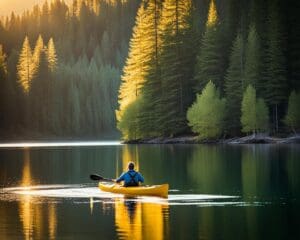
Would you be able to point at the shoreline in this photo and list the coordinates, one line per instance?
(251, 139)
(185, 139)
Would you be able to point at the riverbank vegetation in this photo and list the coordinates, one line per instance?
(183, 52)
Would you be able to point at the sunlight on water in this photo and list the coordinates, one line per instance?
(96, 195)
(59, 144)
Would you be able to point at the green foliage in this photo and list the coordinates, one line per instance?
(177, 61)
(206, 115)
(292, 118)
(176, 47)
(233, 87)
(255, 115)
(68, 87)
(248, 118)
(210, 61)
(253, 61)
(276, 85)
(129, 125)
(262, 115)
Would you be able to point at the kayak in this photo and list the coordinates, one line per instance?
(154, 190)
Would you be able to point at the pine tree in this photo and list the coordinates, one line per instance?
(292, 118)
(234, 86)
(276, 85)
(150, 111)
(25, 66)
(51, 55)
(177, 61)
(134, 70)
(210, 64)
(3, 90)
(39, 46)
(253, 62)
(39, 96)
(206, 115)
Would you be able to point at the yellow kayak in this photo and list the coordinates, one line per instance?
(154, 190)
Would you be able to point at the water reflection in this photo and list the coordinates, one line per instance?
(136, 220)
(37, 220)
(258, 174)
(256, 171)
(129, 154)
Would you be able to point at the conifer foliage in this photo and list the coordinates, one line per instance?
(210, 62)
(64, 62)
(234, 82)
(176, 66)
(89, 67)
(292, 118)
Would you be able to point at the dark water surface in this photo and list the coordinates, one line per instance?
(216, 192)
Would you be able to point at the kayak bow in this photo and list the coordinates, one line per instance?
(154, 190)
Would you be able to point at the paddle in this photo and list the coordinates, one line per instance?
(97, 177)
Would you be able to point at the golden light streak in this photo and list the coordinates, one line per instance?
(136, 220)
(52, 221)
(130, 155)
(25, 206)
(91, 205)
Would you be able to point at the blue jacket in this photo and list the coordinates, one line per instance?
(130, 178)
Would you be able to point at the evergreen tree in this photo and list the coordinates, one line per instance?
(25, 66)
(206, 115)
(293, 46)
(234, 87)
(39, 46)
(253, 61)
(151, 108)
(51, 55)
(177, 62)
(5, 93)
(39, 96)
(134, 70)
(276, 86)
(292, 118)
(210, 64)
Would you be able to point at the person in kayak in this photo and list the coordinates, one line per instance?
(131, 178)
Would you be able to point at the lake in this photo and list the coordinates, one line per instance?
(216, 192)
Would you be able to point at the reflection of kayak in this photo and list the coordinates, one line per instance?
(154, 190)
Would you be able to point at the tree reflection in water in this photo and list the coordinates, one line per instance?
(136, 220)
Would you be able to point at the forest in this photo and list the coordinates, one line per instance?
(150, 68)
(60, 68)
(215, 68)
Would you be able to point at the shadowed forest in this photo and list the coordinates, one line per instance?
(151, 68)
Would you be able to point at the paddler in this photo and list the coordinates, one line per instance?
(131, 178)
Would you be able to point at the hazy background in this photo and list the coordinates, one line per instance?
(18, 6)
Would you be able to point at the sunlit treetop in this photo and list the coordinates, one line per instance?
(174, 14)
(25, 66)
(212, 15)
(51, 55)
(37, 52)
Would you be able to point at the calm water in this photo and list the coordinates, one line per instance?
(216, 192)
